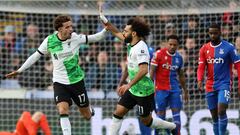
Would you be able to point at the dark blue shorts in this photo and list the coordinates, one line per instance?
(165, 98)
(216, 97)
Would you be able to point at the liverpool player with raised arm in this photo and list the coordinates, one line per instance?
(140, 88)
(68, 77)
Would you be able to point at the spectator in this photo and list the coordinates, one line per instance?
(227, 16)
(118, 54)
(9, 41)
(87, 24)
(183, 53)
(159, 25)
(9, 51)
(48, 68)
(227, 32)
(29, 125)
(32, 78)
(237, 44)
(191, 48)
(102, 75)
(161, 45)
(88, 55)
(83, 56)
(192, 27)
(190, 64)
(170, 29)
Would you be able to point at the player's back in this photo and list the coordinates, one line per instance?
(167, 70)
(26, 125)
(219, 59)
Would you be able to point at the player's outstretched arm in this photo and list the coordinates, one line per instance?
(28, 63)
(97, 37)
(12, 74)
(109, 26)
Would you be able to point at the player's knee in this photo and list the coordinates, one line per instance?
(221, 112)
(63, 108)
(161, 113)
(147, 120)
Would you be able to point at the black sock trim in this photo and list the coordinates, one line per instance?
(148, 125)
(117, 117)
(63, 115)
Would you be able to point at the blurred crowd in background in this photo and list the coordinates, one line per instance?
(22, 33)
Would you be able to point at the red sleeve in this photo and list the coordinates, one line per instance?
(237, 67)
(44, 125)
(29, 124)
(201, 65)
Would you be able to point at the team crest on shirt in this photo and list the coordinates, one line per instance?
(221, 51)
(165, 57)
(142, 51)
(176, 60)
(207, 51)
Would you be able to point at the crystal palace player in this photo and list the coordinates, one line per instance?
(29, 124)
(217, 56)
(167, 66)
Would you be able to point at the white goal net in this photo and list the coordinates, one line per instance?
(25, 23)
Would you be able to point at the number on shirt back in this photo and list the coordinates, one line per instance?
(140, 110)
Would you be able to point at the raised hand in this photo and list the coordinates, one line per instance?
(12, 74)
(101, 15)
(121, 90)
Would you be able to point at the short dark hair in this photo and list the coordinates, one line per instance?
(140, 26)
(173, 37)
(193, 18)
(216, 26)
(59, 20)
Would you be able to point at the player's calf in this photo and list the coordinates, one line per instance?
(116, 124)
(158, 124)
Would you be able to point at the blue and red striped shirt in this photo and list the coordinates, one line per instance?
(218, 60)
(168, 66)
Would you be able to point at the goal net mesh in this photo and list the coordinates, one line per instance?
(25, 23)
